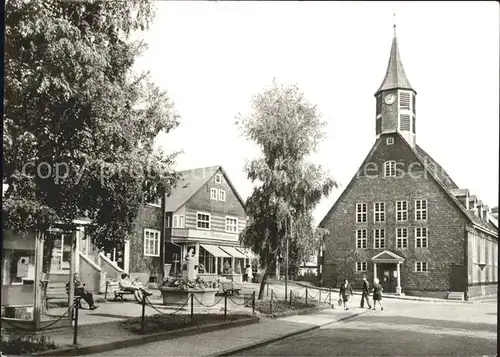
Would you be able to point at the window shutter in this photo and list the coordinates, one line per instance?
(404, 100)
(413, 103)
(404, 122)
(379, 104)
(378, 126)
(413, 127)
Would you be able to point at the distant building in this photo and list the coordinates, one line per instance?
(402, 218)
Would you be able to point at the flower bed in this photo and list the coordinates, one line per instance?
(21, 344)
(157, 323)
(176, 291)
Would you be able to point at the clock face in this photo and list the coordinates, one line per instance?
(390, 98)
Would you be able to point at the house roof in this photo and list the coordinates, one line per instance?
(190, 182)
(395, 76)
(438, 174)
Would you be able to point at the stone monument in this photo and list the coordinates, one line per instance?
(191, 263)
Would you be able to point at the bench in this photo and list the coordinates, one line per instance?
(229, 289)
(114, 288)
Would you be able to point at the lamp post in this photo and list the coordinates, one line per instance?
(286, 257)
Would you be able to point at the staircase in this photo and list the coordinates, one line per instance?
(455, 295)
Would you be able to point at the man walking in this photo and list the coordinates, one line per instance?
(365, 293)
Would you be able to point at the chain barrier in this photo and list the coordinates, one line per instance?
(162, 313)
(209, 306)
(245, 301)
(40, 329)
(298, 297)
(276, 297)
(327, 297)
(311, 296)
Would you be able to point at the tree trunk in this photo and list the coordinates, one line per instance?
(47, 259)
(264, 279)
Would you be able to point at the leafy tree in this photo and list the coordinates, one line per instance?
(287, 128)
(79, 124)
(304, 243)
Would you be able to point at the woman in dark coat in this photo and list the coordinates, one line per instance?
(345, 292)
(377, 294)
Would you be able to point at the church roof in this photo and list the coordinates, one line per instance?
(438, 173)
(445, 181)
(395, 76)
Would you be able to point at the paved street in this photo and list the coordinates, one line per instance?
(404, 328)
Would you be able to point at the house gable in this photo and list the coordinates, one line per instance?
(445, 221)
(232, 205)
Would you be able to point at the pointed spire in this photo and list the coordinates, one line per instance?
(395, 76)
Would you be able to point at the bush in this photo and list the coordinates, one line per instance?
(22, 344)
(159, 322)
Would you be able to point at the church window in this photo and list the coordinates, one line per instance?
(402, 237)
(413, 126)
(404, 122)
(379, 104)
(413, 103)
(404, 100)
(421, 210)
(421, 266)
(390, 168)
(421, 237)
(361, 266)
(361, 212)
(361, 239)
(401, 211)
(379, 238)
(379, 212)
(389, 141)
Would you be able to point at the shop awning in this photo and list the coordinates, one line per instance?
(215, 251)
(233, 252)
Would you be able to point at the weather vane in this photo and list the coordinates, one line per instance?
(394, 22)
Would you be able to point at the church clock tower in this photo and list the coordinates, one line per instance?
(396, 99)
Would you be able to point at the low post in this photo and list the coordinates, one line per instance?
(192, 307)
(291, 297)
(253, 303)
(319, 297)
(330, 296)
(267, 292)
(143, 312)
(271, 304)
(76, 303)
(106, 291)
(307, 293)
(225, 305)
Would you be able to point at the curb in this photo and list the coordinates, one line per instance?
(136, 341)
(267, 341)
(410, 298)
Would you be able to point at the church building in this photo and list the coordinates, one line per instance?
(403, 219)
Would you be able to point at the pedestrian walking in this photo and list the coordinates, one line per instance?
(345, 292)
(377, 294)
(365, 295)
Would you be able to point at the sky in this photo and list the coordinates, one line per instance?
(213, 57)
